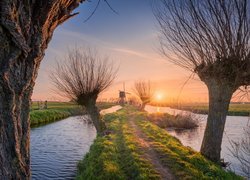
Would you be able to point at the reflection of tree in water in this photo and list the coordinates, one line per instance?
(190, 137)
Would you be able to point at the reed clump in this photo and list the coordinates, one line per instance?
(178, 121)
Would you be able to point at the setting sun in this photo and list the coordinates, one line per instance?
(124, 89)
(158, 96)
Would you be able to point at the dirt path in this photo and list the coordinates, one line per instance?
(150, 154)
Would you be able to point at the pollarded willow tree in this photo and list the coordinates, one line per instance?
(210, 38)
(82, 77)
(143, 91)
(26, 27)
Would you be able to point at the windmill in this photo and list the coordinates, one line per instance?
(122, 95)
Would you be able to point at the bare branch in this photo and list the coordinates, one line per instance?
(242, 94)
(96, 7)
(83, 75)
(112, 9)
(144, 91)
(210, 38)
(93, 12)
(205, 34)
(241, 151)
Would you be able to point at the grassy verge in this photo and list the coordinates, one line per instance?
(183, 161)
(57, 111)
(116, 156)
(179, 121)
(50, 115)
(105, 105)
(119, 155)
(234, 109)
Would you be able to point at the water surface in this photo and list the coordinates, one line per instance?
(233, 132)
(56, 148)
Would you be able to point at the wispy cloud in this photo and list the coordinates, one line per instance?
(131, 52)
(96, 42)
(81, 38)
(139, 54)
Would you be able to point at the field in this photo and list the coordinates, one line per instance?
(54, 105)
(202, 108)
(57, 110)
(135, 148)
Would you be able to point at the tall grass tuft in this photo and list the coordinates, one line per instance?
(179, 121)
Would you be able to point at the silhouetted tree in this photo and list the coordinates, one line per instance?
(26, 27)
(82, 77)
(143, 90)
(210, 38)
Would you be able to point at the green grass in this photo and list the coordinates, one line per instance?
(49, 115)
(54, 105)
(105, 105)
(57, 111)
(179, 121)
(120, 156)
(202, 108)
(183, 161)
(116, 156)
(69, 105)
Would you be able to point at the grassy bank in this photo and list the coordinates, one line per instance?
(57, 111)
(202, 108)
(123, 155)
(179, 121)
(117, 155)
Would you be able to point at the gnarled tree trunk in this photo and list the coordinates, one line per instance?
(14, 134)
(26, 28)
(17, 74)
(94, 113)
(220, 94)
(202, 36)
(143, 106)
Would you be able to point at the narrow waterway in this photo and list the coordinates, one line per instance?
(56, 148)
(193, 137)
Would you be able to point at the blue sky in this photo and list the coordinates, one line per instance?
(129, 39)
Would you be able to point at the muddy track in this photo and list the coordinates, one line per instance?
(150, 154)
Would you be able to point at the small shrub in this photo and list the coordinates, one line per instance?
(179, 121)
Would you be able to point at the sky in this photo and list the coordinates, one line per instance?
(130, 40)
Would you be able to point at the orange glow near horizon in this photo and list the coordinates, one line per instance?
(158, 97)
(132, 45)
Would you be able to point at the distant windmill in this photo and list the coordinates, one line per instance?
(122, 95)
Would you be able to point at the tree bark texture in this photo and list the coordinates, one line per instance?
(219, 99)
(143, 105)
(222, 78)
(26, 27)
(210, 38)
(94, 113)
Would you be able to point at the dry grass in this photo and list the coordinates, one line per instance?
(179, 121)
